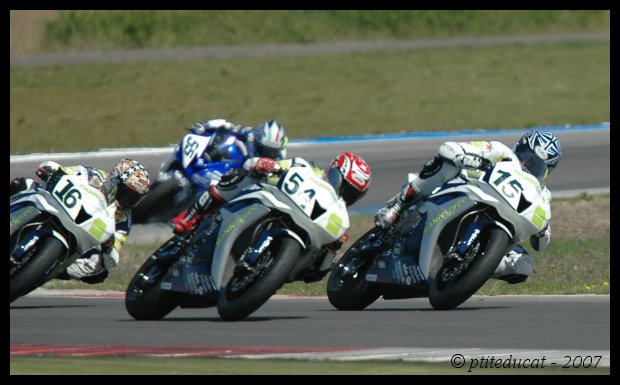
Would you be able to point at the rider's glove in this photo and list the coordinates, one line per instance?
(202, 127)
(47, 169)
(541, 240)
(470, 161)
(264, 166)
(336, 245)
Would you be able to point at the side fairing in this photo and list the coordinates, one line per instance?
(439, 212)
(232, 225)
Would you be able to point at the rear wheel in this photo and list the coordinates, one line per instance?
(144, 299)
(249, 288)
(347, 288)
(456, 281)
(35, 271)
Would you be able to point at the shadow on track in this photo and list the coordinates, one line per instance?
(215, 319)
(48, 307)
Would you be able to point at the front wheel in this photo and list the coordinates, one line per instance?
(144, 299)
(248, 290)
(347, 288)
(35, 272)
(456, 282)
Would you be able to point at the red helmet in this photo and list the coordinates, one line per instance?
(349, 174)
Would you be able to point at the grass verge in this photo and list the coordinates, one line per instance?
(150, 365)
(87, 107)
(79, 30)
(576, 262)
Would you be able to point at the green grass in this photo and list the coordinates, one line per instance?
(150, 365)
(576, 262)
(86, 107)
(88, 30)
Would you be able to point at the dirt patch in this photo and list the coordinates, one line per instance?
(27, 29)
(580, 219)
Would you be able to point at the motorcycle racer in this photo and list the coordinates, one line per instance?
(347, 173)
(268, 139)
(453, 157)
(125, 185)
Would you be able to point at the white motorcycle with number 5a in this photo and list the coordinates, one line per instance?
(238, 257)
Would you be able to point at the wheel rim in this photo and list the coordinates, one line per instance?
(239, 284)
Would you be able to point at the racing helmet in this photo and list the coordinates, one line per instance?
(128, 183)
(542, 144)
(271, 139)
(350, 176)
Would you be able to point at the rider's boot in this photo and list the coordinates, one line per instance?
(387, 215)
(187, 219)
(515, 267)
(433, 174)
(19, 184)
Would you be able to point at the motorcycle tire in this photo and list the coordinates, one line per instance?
(448, 295)
(353, 292)
(35, 272)
(146, 301)
(236, 307)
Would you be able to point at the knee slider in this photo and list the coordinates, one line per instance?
(431, 167)
(231, 179)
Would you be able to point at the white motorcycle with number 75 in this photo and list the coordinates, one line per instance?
(446, 246)
(52, 225)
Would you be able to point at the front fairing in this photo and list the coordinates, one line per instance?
(206, 263)
(78, 207)
(189, 154)
(408, 260)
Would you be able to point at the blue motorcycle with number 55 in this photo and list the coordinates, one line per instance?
(196, 161)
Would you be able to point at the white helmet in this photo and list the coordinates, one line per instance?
(271, 139)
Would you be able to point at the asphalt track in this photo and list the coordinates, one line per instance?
(554, 327)
(560, 325)
(279, 50)
(585, 164)
(551, 326)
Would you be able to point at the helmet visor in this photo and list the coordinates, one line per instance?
(269, 152)
(532, 164)
(348, 192)
(127, 197)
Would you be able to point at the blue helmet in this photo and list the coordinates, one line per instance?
(271, 139)
(544, 144)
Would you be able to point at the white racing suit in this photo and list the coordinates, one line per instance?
(451, 158)
(94, 265)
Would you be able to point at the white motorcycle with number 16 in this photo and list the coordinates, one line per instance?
(51, 226)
